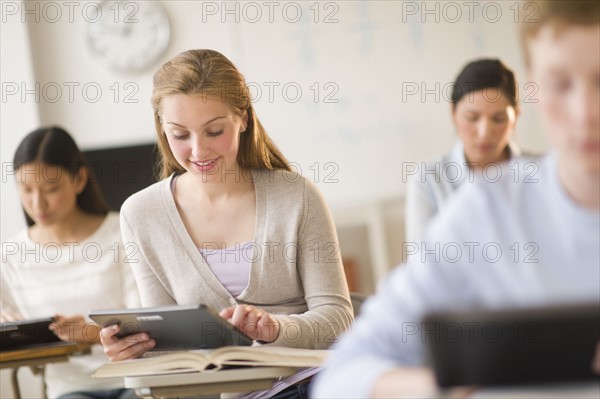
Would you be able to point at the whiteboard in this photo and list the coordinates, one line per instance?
(354, 90)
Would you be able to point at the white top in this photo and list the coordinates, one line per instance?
(433, 183)
(41, 280)
(531, 246)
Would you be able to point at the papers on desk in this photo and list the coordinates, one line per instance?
(213, 360)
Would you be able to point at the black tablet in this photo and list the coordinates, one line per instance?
(514, 346)
(25, 334)
(174, 327)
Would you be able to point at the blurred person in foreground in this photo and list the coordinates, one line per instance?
(544, 230)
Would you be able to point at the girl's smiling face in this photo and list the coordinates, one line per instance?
(203, 134)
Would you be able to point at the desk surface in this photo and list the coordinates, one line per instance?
(208, 382)
(37, 358)
(28, 356)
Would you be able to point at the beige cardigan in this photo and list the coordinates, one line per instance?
(296, 269)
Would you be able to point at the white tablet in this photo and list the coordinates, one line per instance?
(174, 327)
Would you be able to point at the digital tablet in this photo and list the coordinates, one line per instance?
(25, 334)
(174, 327)
(513, 346)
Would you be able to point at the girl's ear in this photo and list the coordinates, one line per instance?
(82, 179)
(245, 121)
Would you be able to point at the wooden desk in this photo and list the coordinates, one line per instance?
(207, 383)
(36, 359)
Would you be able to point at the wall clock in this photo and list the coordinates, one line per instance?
(129, 36)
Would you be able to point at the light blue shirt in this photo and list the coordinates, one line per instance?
(432, 185)
(523, 242)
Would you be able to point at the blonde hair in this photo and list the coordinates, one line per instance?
(558, 14)
(209, 73)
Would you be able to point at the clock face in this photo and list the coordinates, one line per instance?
(129, 35)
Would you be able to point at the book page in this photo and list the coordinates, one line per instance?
(268, 356)
(213, 360)
(168, 363)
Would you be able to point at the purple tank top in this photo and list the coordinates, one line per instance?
(231, 266)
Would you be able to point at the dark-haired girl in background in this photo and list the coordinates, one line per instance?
(68, 260)
(484, 110)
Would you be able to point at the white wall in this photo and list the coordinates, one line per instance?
(370, 51)
(16, 117)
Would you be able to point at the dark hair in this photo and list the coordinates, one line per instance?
(484, 74)
(54, 146)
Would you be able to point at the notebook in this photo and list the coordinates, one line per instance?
(175, 327)
(513, 346)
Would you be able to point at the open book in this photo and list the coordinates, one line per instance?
(213, 360)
